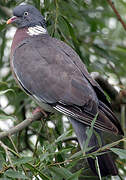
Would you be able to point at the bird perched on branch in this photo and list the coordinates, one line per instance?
(51, 72)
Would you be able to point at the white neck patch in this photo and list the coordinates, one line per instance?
(36, 30)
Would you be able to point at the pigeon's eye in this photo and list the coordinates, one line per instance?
(25, 13)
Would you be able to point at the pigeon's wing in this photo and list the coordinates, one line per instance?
(104, 104)
(78, 62)
(48, 73)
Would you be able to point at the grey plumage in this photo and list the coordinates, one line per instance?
(52, 73)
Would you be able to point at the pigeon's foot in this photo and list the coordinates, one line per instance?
(39, 109)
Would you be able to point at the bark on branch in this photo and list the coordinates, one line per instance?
(117, 99)
(21, 126)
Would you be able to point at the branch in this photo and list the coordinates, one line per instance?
(117, 99)
(106, 86)
(117, 14)
(21, 126)
(6, 10)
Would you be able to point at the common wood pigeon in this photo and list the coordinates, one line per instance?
(52, 73)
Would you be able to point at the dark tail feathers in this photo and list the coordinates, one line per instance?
(110, 115)
(106, 165)
(105, 161)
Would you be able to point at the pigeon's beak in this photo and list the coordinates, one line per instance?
(11, 20)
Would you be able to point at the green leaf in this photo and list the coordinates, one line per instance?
(15, 174)
(74, 39)
(74, 176)
(98, 168)
(36, 170)
(98, 138)
(120, 152)
(23, 160)
(63, 136)
(61, 172)
(70, 29)
(44, 156)
(2, 26)
(4, 117)
(6, 91)
(77, 155)
(89, 133)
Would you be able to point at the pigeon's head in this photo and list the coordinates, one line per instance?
(27, 16)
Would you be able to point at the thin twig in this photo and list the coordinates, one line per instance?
(59, 163)
(123, 109)
(36, 144)
(71, 138)
(27, 142)
(6, 149)
(108, 146)
(21, 126)
(117, 13)
(5, 168)
(37, 133)
(15, 148)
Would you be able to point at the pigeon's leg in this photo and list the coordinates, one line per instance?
(39, 109)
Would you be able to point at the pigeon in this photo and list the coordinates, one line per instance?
(54, 76)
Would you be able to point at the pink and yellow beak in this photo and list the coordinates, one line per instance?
(11, 20)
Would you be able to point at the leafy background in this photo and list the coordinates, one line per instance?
(48, 149)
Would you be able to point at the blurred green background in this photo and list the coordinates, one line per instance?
(48, 149)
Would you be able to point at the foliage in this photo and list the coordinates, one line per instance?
(44, 150)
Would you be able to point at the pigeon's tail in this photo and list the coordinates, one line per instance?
(106, 112)
(105, 162)
(106, 165)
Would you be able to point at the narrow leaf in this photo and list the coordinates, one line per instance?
(35, 170)
(6, 91)
(23, 160)
(4, 117)
(61, 172)
(120, 152)
(89, 133)
(15, 174)
(98, 168)
(74, 176)
(63, 136)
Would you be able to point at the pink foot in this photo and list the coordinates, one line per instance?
(38, 109)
